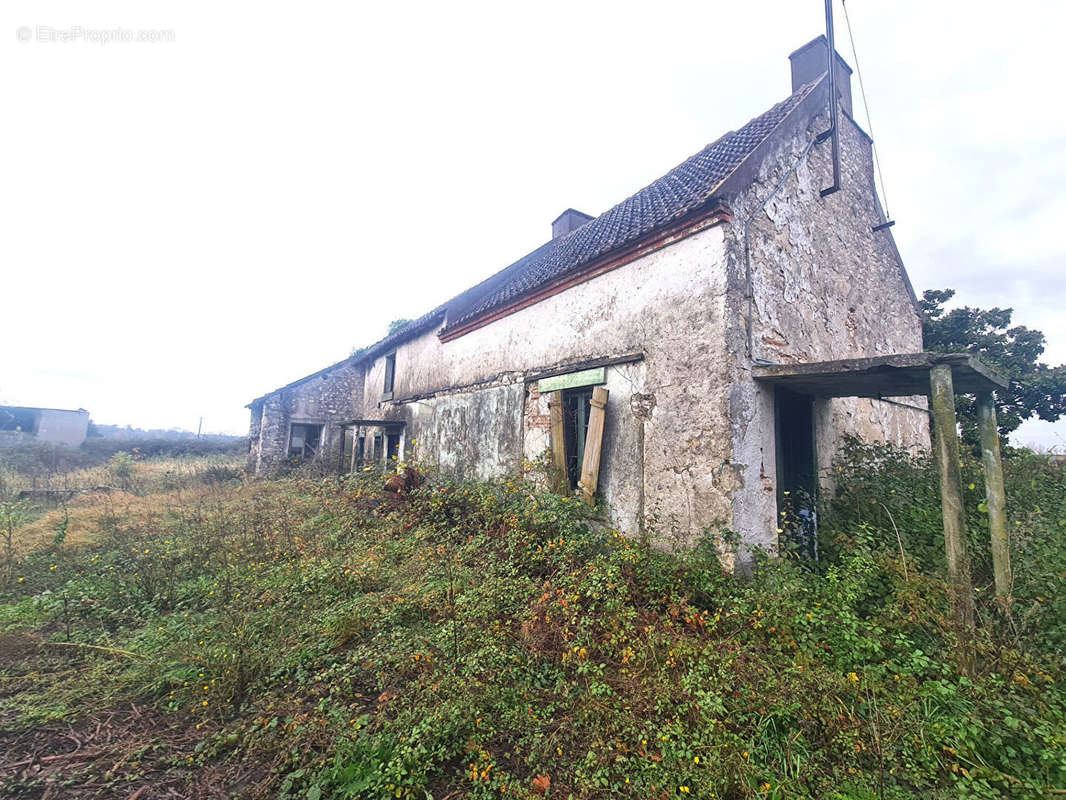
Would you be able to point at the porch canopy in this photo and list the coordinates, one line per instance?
(896, 375)
(938, 376)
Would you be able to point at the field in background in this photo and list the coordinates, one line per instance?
(203, 635)
(142, 465)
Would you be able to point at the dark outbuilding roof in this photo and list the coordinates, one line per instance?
(679, 192)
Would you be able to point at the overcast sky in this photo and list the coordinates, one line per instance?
(187, 224)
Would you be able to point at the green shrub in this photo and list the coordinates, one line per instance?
(487, 640)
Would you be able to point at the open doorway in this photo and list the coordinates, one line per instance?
(797, 472)
(392, 448)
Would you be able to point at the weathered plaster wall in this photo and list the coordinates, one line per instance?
(825, 286)
(328, 399)
(62, 427)
(671, 407)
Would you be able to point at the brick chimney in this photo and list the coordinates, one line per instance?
(568, 221)
(808, 64)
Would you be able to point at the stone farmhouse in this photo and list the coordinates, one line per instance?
(656, 353)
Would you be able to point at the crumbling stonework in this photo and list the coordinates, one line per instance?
(328, 399)
(824, 286)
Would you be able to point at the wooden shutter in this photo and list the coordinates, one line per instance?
(590, 467)
(558, 440)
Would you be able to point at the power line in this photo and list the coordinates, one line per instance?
(866, 105)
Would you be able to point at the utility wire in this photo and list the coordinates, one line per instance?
(869, 122)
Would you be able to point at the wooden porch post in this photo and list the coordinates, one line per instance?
(946, 451)
(995, 495)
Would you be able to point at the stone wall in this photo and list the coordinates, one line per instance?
(470, 404)
(824, 287)
(328, 399)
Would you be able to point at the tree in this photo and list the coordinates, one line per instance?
(394, 326)
(1036, 389)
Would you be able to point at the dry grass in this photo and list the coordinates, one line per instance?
(147, 475)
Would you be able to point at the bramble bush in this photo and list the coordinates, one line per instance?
(492, 640)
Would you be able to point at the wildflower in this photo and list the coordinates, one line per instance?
(683, 789)
(695, 759)
(853, 677)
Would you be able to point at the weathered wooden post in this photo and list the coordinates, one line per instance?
(995, 494)
(558, 441)
(946, 450)
(590, 469)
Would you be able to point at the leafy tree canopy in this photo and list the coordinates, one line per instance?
(394, 326)
(1036, 389)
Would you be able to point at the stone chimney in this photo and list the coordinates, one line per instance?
(808, 64)
(569, 220)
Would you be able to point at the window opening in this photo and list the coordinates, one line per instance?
(304, 440)
(576, 406)
(390, 376)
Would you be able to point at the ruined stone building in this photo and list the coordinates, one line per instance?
(750, 253)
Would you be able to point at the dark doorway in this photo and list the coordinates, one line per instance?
(797, 472)
(392, 448)
(576, 406)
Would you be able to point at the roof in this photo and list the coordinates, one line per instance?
(44, 408)
(682, 190)
(896, 375)
(686, 188)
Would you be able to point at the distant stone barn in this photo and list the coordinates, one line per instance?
(762, 249)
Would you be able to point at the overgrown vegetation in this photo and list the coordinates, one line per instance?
(41, 465)
(323, 638)
(1036, 389)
